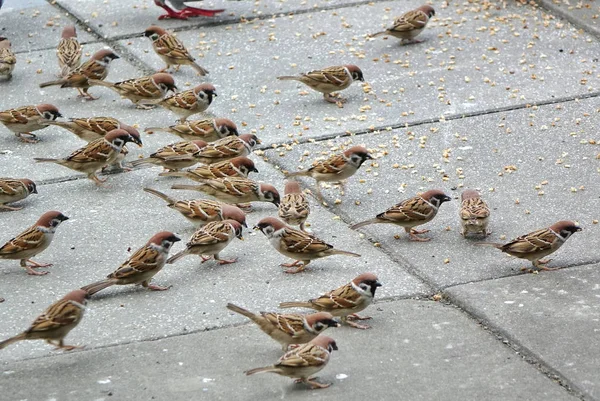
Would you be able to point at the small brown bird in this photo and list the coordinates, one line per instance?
(89, 129)
(8, 60)
(236, 167)
(294, 207)
(174, 156)
(69, 51)
(96, 154)
(210, 240)
(119, 162)
(474, 214)
(202, 211)
(329, 80)
(171, 50)
(539, 244)
(411, 213)
(26, 119)
(142, 91)
(336, 168)
(14, 190)
(409, 25)
(228, 148)
(141, 266)
(295, 244)
(208, 129)
(346, 301)
(291, 328)
(96, 67)
(56, 322)
(178, 9)
(33, 241)
(190, 102)
(303, 362)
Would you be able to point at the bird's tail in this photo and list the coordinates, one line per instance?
(190, 187)
(11, 340)
(154, 129)
(494, 244)
(139, 162)
(241, 311)
(51, 83)
(165, 197)
(340, 252)
(378, 34)
(174, 174)
(97, 82)
(45, 160)
(98, 286)
(200, 70)
(297, 174)
(177, 256)
(365, 223)
(296, 305)
(261, 370)
(288, 78)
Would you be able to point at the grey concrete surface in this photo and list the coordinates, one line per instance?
(482, 60)
(555, 316)
(450, 157)
(435, 353)
(582, 13)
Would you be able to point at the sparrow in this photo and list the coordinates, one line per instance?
(33, 241)
(346, 301)
(7, 58)
(141, 91)
(303, 362)
(96, 154)
(179, 10)
(411, 213)
(56, 322)
(208, 129)
(235, 190)
(538, 244)
(174, 156)
(474, 214)
(202, 211)
(190, 102)
(89, 129)
(171, 50)
(409, 25)
(288, 329)
(336, 168)
(296, 244)
(141, 266)
(119, 162)
(237, 167)
(294, 207)
(68, 51)
(96, 67)
(329, 80)
(14, 190)
(211, 239)
(228, 148)
(25, 119)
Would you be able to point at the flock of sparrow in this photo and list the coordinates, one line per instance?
(223, 174)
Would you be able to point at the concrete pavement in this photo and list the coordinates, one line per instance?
(499, 96)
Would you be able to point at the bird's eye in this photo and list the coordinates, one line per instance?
(154, 36)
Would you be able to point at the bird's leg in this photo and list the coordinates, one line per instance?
(358, 326)
(61, 345)
(313, 384)
(413, 234)
(11, 208)
(319, 194)
(195, 12)
(296, 263)
(298, 269)
(204, 258)
(32, 272)
(354, 316)
(89, 96)
(154, 287)
(34, 264)
(224, 261)
(330, 98)
(30, 138)
(97, 180)
(540, 265)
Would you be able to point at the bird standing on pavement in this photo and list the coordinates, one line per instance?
(346, 301)
(409, 25)
(411, 213)
(33, 241)
(177, 9)
(56, 322)
(141, 266)
(237, 167)
(141, 91)
(474, 214)
(8, 60)
(26, 119)
(303, 362)
(68, 51)
(329, 80)
(89, 129)
(190, 102)
(294, 207)
(174, 156)
(14, 190)
(208, 129)
(171, 50)
(295, 244)
(539, 244)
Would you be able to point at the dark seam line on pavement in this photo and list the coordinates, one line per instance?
(519, 349)
(552, 9)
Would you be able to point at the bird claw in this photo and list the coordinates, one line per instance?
(227, 261)
(358, 326)
(354, 316)
(32, 272)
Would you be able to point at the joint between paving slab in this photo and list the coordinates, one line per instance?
(525, 353)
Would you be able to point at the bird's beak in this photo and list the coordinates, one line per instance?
(333, 323)
(64, 218)
(254, 170)
(256, 228)
(378, 284)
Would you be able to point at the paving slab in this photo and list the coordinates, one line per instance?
(533, 166)
(106, 223)
(435, 352)
(581, 13)
(471, 59)
(554, 316)
(35, 25)
(114, 19)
